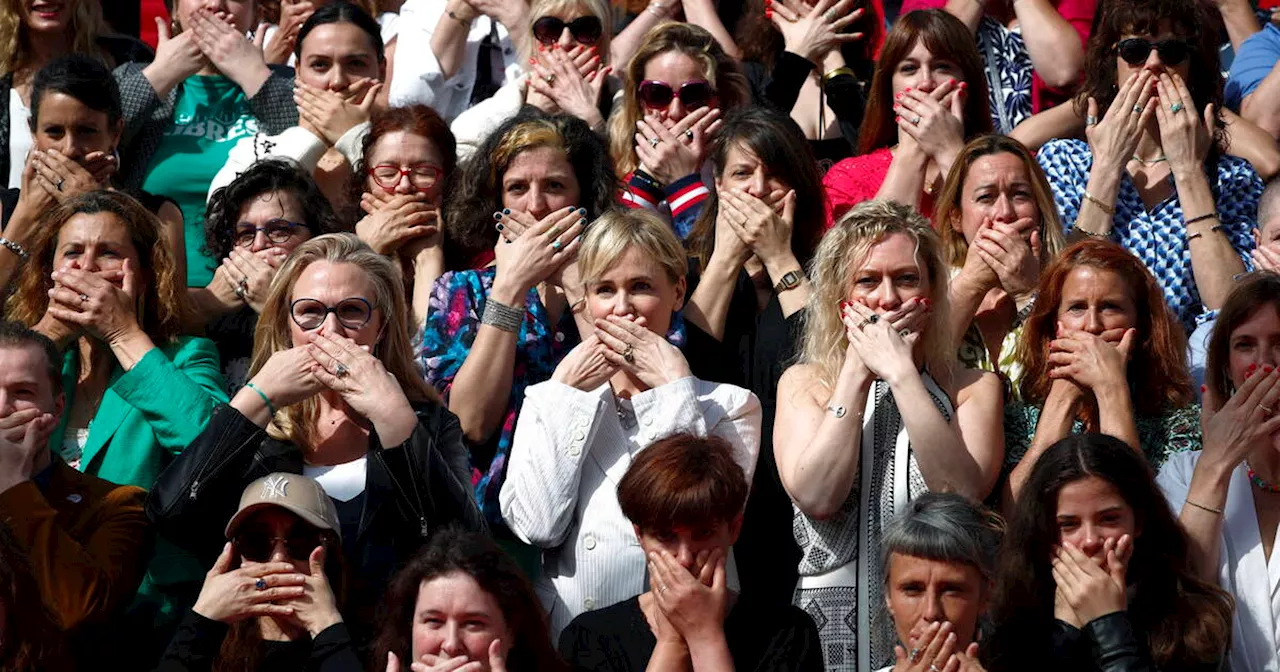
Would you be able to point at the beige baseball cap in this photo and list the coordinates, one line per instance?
(293, 492)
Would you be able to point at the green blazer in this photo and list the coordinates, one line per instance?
(148, 415)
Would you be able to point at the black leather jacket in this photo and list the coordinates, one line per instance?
(1106, 644)
(410, 491)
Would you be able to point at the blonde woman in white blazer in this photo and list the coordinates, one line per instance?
(623, 388)
(1229, 493)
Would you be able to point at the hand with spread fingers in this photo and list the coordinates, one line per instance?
(647, 356)
(286, 378)
(814, 34)
(232, 595)
(933, 119)
(585, 367)
(976, 270)
(330, 114)
(354, 373)
(1114, 138)
(765, 230)
(62, 177)
(884, 350)
(1012, 251)
(571, 80)
(102, 305)
(229, 51)
(316, 609)
(1185, 135)
(1093, 589)
(670, 150)
(402, 218)
(293, 13)
(1233, 426)
(932, 651)
(695, 606)
(177, 56)
(1089, 360)
(539, 251)
(251, 273)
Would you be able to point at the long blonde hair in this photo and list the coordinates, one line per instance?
(722, 72)
(297, 423)
(840, 254)
(86, 26)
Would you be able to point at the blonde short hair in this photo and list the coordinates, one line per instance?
(840, 254)
(616, 232)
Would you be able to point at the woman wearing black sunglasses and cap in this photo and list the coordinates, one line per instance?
(1154, 176)
(567, 72)
(271, 600)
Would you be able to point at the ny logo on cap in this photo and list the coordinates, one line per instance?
(275, 487)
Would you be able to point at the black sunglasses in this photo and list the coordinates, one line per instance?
(693, 95)
(1134, 50)
(585, 29)
(258, 545)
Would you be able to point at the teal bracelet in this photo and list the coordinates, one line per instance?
(265, 399)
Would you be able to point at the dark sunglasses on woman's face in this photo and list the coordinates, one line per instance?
(585, 29)
(1135, 50)
(258, 545)
(693, 95)
(278, 231)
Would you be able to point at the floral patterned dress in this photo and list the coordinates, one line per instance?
(1009, 74)
(1175, 431)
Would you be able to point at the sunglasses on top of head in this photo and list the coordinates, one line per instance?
(585, 29)
(693, 95)
(1135, 50)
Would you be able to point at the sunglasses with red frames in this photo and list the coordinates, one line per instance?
(1135, 50)
(693, 95)
(585, 29)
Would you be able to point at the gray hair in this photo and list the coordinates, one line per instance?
(945, 527)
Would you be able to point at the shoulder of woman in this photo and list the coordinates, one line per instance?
(976, 384)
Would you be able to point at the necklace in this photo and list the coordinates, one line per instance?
(1150, 162)
(1261, 484)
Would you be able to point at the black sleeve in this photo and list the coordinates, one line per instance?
(844, 96)
(588, 651)
(786, 80)
(8, 203)
(200, 490)
(443, 462)
(1116, 647)
(273, 104)
(332, 651)
(194, 645)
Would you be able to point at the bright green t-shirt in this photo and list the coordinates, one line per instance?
(211, 114)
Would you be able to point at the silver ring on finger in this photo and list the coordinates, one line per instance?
(1267, 410)
(550, 79)
(260, 584)
(863, 324)
(904, 332)
(555, 245)
(628, 353)
(914, 655)
(1137, 109)
(240, 292)
(875, 317)
(915, 121)
(1090, 120)
(59, 184)
(1177, 107)
(83, 298)
(654, 142)
(688, 135)
(934, 668)
(831, 16)
(341, 370)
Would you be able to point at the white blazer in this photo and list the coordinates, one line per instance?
(418, 78)
(569, 452)
(1242, 570)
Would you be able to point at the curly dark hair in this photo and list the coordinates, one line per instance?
(475, 190)
(1188, 19)
(264, 177)
(456, 550)
(30, 638)
(1185, 622)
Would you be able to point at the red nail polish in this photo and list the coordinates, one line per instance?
(964, 86)
(1266, 369)
(1253, 366)
(1203, 389)
(768, 13)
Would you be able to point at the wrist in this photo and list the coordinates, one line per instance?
(508, 292)
(780, 264)
(323, 623)
(461, 11)
(130, 333)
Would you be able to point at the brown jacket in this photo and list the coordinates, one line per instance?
(88, 541)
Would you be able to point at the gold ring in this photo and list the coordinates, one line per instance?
(628, 354)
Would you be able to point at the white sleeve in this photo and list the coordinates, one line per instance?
(556, 426)
(296, 144)
(692, 406)
(418, 77)
(1174, 478)
(476, 124)
(351, 144)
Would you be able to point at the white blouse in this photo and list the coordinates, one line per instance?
(20, 140)
(570, 450)
(1244, 570)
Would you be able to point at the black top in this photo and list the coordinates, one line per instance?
(758, 346)
(197, 641)
(411, 490)
(1106, 644)
(760, 637)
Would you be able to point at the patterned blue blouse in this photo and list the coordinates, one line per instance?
(1158, 237)
(1008, 65)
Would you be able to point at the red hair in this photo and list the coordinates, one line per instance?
(683, 481)
(946, 38)
(1159, 355)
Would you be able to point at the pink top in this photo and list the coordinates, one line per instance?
(857, 179)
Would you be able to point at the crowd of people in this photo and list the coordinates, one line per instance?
(852, 335)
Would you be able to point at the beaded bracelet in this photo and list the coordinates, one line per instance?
(502, 316)
(15, 248)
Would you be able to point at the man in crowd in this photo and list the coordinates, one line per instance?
(87, 539)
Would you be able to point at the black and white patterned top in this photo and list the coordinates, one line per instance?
(1008, 64)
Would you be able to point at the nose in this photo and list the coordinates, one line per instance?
(1093, 322)
(331, 325)
(279, 552)
(1090, 541)
(925, 81)
(685, 556)
(536, 203)
(622, 304)
(1153, 60)
(404, 185)
(676, 110)
(88, 261)
(6, 403)
(337, 79)
(566, 41)
(886, 297)
(1003, 211)
(452, 642)
(933, 611)
(260, 242)
(758, 186)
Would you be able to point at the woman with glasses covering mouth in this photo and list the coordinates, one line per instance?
(252, 225)
(272, 599)
(568, 72)
(1153, 175)
(332, 394)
